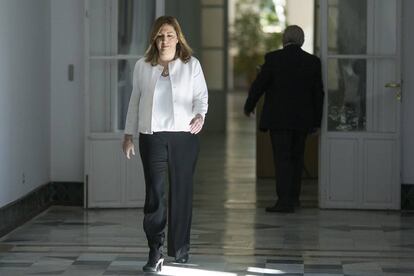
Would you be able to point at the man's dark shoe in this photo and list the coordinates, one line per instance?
(280, 209)
(183, 259)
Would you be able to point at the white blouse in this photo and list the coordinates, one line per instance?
(189, 95)
(162, 110)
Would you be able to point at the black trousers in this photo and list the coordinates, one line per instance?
(175, 153)
(288, 151)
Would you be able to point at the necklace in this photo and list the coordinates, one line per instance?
(165, 72)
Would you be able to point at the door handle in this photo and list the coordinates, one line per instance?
(392, 85)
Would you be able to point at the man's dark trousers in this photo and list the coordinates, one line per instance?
(288, 154)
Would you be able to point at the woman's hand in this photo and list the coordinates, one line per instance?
(128, 146)
(196, 124)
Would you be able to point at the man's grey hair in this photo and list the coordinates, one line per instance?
(293, 35)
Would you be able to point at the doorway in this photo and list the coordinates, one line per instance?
(256, 28)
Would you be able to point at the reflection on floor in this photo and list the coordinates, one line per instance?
(231, 235)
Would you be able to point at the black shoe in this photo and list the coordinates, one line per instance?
(155, 261)
(280, 209)
(183, 259)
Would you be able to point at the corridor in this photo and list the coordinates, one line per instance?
(231, 233)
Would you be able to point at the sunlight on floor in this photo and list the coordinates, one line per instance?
(184, 271)
(265, 270)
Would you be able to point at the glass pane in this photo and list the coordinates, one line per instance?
(125, 76)
(347, 26)
(347, 85)
(100, 96)
(135, 18)
(100, 26)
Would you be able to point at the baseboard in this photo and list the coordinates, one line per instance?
(67, 193)
(54, 193)
(71, 194)
(407, 197)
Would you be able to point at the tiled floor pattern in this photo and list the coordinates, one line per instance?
(225, 241)
(231, 234)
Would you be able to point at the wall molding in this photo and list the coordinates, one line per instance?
(23, 209)
(407, 197)
(71, 194)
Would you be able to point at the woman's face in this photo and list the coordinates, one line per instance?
(166, 39)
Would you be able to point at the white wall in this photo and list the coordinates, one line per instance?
(408, 93)
(67, 109)
(24, 97)
(301, 13)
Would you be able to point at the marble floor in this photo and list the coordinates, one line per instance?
(231, 234)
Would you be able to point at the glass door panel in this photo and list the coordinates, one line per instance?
(100, 25)
(347, 83)
(361, 56)
(100, 96)
(117, 28)
(343, 37)
(125, 76)
(135, 18)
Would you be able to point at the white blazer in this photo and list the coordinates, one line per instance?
(189, 94)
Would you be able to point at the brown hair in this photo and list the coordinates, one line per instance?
(183, 50)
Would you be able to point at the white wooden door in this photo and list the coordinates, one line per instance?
(116, 36)
(360, 144)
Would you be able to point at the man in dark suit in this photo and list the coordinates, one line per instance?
(291, 80)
